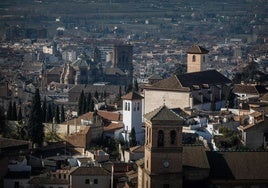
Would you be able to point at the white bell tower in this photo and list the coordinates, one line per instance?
(132, 116)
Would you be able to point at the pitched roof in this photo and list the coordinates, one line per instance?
(132, 96)
(113, 127)
(238, 165)
(155, 77)
(87, 171)
(184, 82)
(6, 142)
(172, 84)
(249, 89)
(210, 77)
(196, 49)
(194, 156)
(163, 114)
(47, 181)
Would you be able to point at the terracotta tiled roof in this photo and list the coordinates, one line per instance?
(172, 84)
(47, 181)
(194, 156)
(196, 49)
(163, 114)
(87, 171)
(238, 165)
(132, 96)
(112, 116)
(113, 126)
(249, 89)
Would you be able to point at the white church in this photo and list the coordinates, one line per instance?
(132, 117)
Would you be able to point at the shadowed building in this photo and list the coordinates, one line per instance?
(122, 59)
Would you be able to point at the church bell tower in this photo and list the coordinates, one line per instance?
(163, 149)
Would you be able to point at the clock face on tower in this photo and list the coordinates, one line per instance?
(166, 163)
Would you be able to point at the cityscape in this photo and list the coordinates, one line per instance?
(142, 94)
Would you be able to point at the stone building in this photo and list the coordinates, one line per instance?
(197, 57)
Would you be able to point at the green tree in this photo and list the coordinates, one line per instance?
(14, 111)
(3, 125)
(9, 111)
(35, 126)
(62, 114)
(213, 104)
(19, 115)
(129, 88)
(135, 85)
(81, 103)
(44, 109)
(49, 116)
(133, 140)
(96, 95)
(230, 99)
(57, 115)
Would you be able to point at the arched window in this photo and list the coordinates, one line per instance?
(128, 106)
(138, 106)
(193, 58)
(172, 137)
(125, 106)
(160, 141)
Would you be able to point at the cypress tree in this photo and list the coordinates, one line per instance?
(19, 115)
(9, 111)
(14, 111)
(35, 126)
(44, 109)
(49, 116)
(57, 115)
(133, 141)
(136, 85)
(96, 95)
(88, 101)
(3, 126)
(80, 103)
(84, 105)
(62, 114)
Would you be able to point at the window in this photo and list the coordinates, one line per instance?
(134, 106)
(64, 176)
(138, 107)
(160, 141)
(193, 58)
(172, 137)
(95, 181)
(128, 106)
(87, 181)
(204, 58)
(125, 105)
